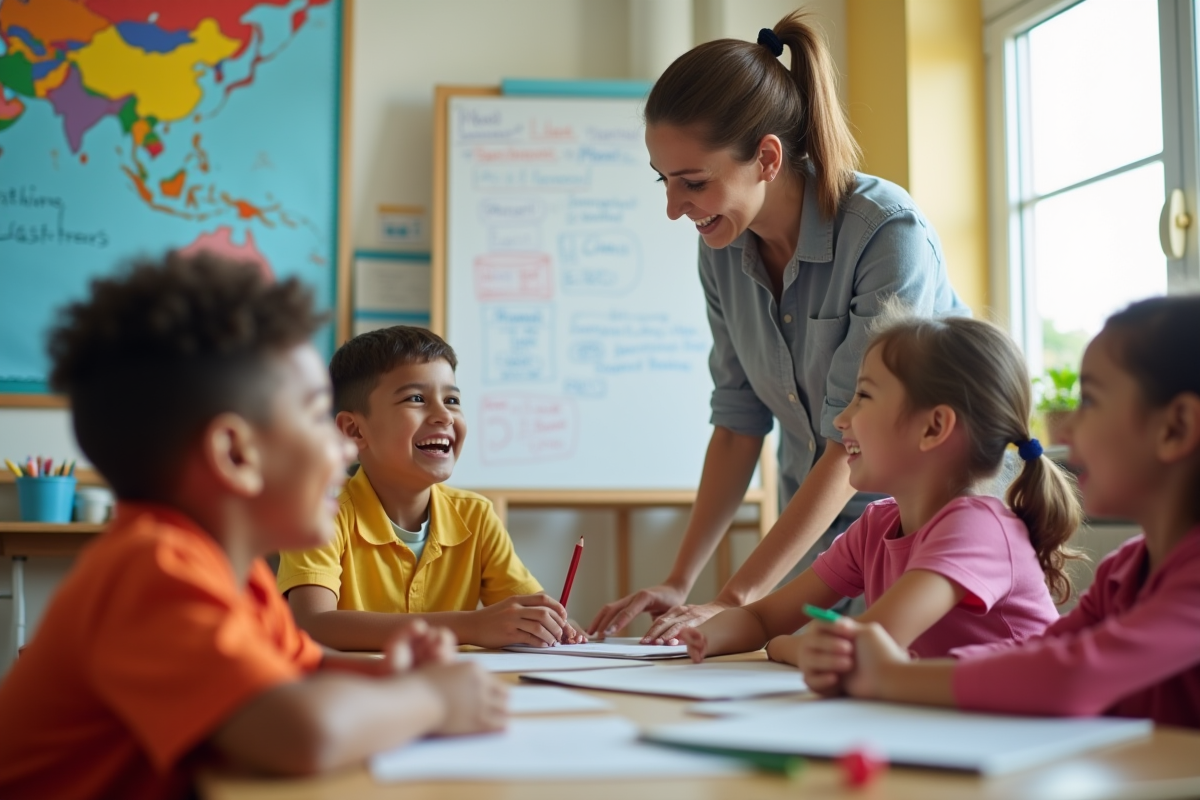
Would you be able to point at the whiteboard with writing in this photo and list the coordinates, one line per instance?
(573, 302)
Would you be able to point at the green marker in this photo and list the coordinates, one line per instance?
(823, 614)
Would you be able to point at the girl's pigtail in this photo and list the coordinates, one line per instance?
(1045, 498)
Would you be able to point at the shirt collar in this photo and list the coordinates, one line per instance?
(1127, 575)
(446, 526)
(815, 242)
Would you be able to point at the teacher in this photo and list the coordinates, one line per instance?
(798, 252)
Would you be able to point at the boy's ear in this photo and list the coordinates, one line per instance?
(1179, 436)
(348, 424)
(231, 451)
(939, 423)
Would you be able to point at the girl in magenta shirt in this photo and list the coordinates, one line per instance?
(940, 565)
(1132, 646)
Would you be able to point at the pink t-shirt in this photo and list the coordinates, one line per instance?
(1131, 648)
(975, 542)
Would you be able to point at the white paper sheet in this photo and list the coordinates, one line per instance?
(613, 647)
(913, 735)
(713, 681)
(567, 749)
(533, 662)
(740, 708)
(551, 700)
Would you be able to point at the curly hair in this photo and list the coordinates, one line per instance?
(153, 354)
(358, 365)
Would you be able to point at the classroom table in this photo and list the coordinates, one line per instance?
(1167, 765)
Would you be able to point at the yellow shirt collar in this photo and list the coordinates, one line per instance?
(446, 526)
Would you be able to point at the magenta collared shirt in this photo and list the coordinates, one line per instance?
(1131, 648)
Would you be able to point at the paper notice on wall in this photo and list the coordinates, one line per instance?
(390, 285)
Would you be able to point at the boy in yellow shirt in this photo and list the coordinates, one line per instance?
(408, 547)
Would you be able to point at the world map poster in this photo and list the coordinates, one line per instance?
(132, 127)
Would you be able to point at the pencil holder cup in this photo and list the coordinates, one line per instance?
(46, 499)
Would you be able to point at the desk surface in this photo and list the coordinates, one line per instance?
(1164, 766)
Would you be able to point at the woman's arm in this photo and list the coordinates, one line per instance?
(728, 466)
(811, 511)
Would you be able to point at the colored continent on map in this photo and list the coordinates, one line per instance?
(142, 65)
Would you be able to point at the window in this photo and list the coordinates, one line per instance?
(1088, 107)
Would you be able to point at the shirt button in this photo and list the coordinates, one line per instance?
(787, 317)
(792, 397)
(812, 446)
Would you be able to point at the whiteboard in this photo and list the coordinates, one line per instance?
(573, 302)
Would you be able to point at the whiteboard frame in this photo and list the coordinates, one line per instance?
(764, 496)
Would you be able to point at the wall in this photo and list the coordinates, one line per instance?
(916, 102)
(402, 49)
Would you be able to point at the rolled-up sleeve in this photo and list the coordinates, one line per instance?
(735, 405)
(899, 258)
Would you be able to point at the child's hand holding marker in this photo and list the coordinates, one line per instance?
(843, 655)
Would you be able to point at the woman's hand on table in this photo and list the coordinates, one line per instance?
(668, 625)
(654, 600)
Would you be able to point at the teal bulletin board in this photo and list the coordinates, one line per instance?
(132, 127)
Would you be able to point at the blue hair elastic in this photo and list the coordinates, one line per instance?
(1029, 449)
(768, 39)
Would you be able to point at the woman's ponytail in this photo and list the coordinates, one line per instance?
(826, 137)
(732, 93)
(1045, 498)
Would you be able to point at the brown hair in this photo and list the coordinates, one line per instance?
(734, 93)
(358, 365)
(976, 369)
(153, 354)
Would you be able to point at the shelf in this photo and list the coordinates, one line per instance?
(51, 527)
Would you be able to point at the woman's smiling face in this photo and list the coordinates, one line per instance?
(720, 195)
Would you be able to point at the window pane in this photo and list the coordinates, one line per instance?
(1095, 250)
(1095, 91)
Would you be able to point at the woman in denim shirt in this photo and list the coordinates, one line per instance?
(798, 252)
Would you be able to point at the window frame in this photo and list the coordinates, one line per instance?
(1010, 242)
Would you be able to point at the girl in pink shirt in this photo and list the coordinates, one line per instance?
(1132, 646)
(939, 564)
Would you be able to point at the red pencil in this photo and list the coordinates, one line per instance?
(571, 572)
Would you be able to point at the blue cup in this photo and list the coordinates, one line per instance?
(46, 499)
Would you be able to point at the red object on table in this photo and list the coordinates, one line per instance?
(861, 766)
(566, 592)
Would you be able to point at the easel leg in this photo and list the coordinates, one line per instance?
(624, 525)
(18, 606)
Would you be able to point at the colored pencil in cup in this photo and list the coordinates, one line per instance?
(14, 469)
(566, 592)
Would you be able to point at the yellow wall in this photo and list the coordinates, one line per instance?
(916, 101)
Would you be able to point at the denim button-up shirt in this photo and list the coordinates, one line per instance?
(797, 360)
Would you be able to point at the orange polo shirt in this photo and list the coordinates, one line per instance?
(468, 557)
(149, 645)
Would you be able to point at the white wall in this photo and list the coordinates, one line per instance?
(402, 49)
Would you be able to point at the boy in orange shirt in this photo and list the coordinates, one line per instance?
(197, 396)
(407, 546)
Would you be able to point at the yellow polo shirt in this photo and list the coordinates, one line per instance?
(468, 557)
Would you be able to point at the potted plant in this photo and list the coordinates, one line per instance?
(1059, 397)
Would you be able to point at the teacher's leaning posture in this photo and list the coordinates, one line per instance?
(798, 252)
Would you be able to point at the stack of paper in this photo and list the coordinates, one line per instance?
(712, 681)
(613, 647)
(913, 735)
(530, 662)
(568, 749)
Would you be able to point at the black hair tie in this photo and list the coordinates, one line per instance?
(768, 39)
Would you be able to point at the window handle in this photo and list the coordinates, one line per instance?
(1173, 224)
